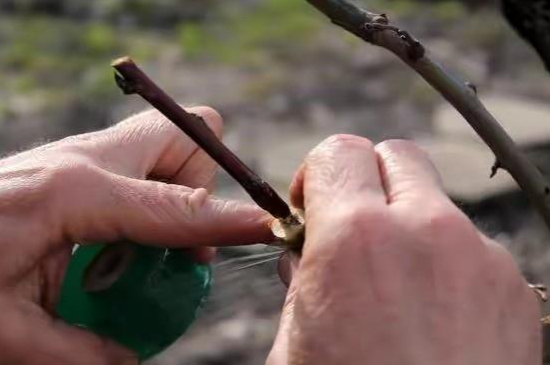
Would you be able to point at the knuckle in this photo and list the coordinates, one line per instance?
(166, 202)
(80, 144)
(361, 216)
(149, 197)
(361, 226)
(150, 122)
(439, 220)
(192, 202)
(348, 236)
(69, 170)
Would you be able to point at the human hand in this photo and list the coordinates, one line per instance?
(91, 188)
(393, 273)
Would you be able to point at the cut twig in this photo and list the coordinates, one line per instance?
(541, 290)
(132, 80)
(375, 29)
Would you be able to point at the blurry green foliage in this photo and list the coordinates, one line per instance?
(66, 58)
(271, 28)
(63, 47)
(195, 39)
(99, 39)
(484, 29)
(443, 10)
(394, 8)
(449, 10)
(5, 111)
(151, 13)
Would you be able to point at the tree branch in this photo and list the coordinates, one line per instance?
(375, 29)
(132, 80)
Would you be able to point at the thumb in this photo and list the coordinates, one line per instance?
(156, 213)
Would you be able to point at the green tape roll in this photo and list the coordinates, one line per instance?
(142, 297)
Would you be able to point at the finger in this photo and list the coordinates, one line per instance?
(145, 145)
(149, 212)
(287, 266)
(198, 172)
(407, 172)
(297, 188)
(34, 338)
(343, 168)
(279, 353)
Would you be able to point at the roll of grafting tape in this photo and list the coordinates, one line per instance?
(141, 297)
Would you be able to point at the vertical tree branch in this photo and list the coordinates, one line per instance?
(375, 29)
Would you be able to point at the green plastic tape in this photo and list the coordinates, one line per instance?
(142, 297)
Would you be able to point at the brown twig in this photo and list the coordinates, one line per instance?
(132, 80)
(375, 29)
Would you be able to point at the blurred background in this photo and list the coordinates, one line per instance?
(284, 78)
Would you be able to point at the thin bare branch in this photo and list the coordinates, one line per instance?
(132, 80)
(376, 29)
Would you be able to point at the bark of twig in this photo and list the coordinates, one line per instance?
(132, 80)
(375, 29)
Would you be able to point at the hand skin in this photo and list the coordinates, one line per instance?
(90, 188)
(392, 272)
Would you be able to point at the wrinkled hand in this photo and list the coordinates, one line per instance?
(90, 188)
(393, 273)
